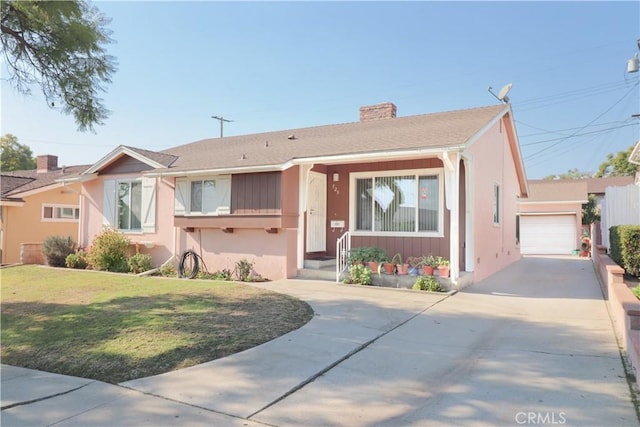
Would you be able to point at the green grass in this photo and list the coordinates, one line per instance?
(636, 291)
(115, 327)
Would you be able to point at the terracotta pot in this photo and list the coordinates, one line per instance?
(388, 267)
(443, 271)
(403, 269)
(373, 265)
(427, 270)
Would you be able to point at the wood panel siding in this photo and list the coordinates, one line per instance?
(338, 209)
(125, 165)
(237, 221)
(256, 193)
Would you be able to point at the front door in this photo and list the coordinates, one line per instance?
(317, 213)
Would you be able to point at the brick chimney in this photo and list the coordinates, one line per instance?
(386, 110)
(46, 163)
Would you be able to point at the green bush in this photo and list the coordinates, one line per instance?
(636, 291)
(109, 251)
(625, 247)
(427, 283)
(169, 270)
(56, 249)
(77, 260)
(359, 274)
(139, 263)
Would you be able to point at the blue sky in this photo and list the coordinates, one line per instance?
(271, 66)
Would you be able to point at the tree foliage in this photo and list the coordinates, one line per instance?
(570, 174)
(15, 156)
(59, 45)
(618, 165)
(590, 210)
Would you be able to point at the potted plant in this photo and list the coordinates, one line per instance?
(414, 265)
(443, 267)
(428, 264)
(374, 257)
(388, 267)
(357, 256)
(402, 267)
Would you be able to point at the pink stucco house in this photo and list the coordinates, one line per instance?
(444, 184)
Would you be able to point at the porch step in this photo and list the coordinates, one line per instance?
(324, 262)
(325, 273)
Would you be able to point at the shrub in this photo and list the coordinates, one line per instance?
(636, 291)
(109, 251)
(244, 270)
(625, 247)
(77, 260)
(427, 283)
(139, 263)
(169, 270)
(56, 249)
(359, 274)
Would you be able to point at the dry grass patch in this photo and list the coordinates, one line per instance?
(114, 327)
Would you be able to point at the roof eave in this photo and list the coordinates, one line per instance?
(116, 154)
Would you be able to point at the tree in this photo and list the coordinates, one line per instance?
(570, 174)
(59, 45)
(15, 156)
(590, 210)
(618, 165)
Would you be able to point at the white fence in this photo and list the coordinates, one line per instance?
(621, 206)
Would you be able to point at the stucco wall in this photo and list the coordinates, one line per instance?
(491, 162)
(163, 238)
(25, 225)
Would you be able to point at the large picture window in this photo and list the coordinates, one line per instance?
(406, 203)
(203, 196)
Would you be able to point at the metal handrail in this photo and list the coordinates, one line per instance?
(343, 247)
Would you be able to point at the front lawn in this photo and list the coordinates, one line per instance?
(116, 327)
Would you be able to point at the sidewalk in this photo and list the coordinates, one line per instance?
(532, 343)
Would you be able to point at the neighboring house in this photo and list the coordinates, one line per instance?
(34, 206)
(550, 219)
(442, 184)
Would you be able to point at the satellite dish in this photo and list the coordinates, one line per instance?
(502, 95)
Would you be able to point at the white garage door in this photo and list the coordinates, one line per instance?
(547, 234)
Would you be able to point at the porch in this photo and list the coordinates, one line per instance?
(324, 268)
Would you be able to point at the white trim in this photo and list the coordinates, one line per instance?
(12, 203)
(375, 174)
(556, 202)
(547, 213)
(302, 206)
(77, 178)
(220, 171)
(476, 136)
(116, 154)
(469, 249)
(377, 156)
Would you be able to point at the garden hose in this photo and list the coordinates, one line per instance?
(189, 264)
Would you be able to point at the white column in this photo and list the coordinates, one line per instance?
(302, 207)
(452, 198)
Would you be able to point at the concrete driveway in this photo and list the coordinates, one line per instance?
(532, 345)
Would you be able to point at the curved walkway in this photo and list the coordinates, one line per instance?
(533, 344)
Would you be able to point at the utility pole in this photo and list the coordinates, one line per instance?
(222, 120)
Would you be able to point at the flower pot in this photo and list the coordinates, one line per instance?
(388, 267)
(427, 270)
(443, 271)
(414, 271)
(403, 269)
(373, 265)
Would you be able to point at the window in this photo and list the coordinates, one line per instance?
(60, 213)
(130, 205)
(203, 196)
(496, 204)
(410, 203)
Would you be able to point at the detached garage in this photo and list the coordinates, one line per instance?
(551, 217)
(548, 234)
